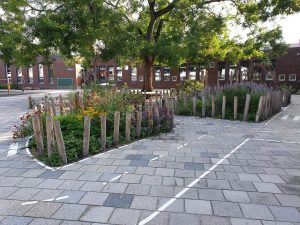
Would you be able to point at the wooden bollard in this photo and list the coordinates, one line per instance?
(103, 131)
(268, 105)
(203, 106)
(150, 118)
(86, 136)
(223, 107)
(50, 137)
(60, 142)
(53, 107)
(127, 126)
(139, 116)
(213, 106)
(38, 134)
(116, 128)
(61, 105)
(156, 96)
(156, 117)
(194, 106)
(247, 105)
(260, 108)
(235, 107)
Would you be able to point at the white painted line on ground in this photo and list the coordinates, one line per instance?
(61, 198)
(179, 147)
(156, 158)
(185, 144)
(49, 200)
(13, 149)
(274, 117)
(192, 184)
(202, 136)
(46, 200)
(115, 178)
(297, 118)
(285, 117)
(276, 141)
(30, 203)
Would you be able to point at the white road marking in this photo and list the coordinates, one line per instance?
(285, 117)
(296, 118)
(13, 149)
(61, 198)
(274, 117)
(168, 203)
(115, 178)
(29, 203)
(179, 147)
(156, 158)
(202, 136)
(49, 200)
(46, 200)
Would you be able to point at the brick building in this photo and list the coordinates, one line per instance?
(58, 75)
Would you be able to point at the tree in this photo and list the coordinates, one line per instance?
(150, 31)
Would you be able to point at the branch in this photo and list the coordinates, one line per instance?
(167, 9)
(159, 29)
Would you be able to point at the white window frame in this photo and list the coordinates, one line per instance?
(30, 75)
(269, 76)
(133, 75)
(141, 78)
(19, 75)
(8, 71)
(157, 73)
(193, 72)
(51, 78)
(167, 75)
(119, 73)
(111, 73)
(220, 74)
(212, 65)
(293, 74)
(182, 73)
(256, 76)
(174, 78)
(41, 73)
(281, 79)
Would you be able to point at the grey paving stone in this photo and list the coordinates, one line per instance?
(253, 169)
(125, 216)
(47, 194)
(211, 194)
(233, 169)
(193, 166)
(180, 218)
(214, 220)
(14, 220)
(242, 186)
(266, 187)
(13, 207)
(14, 172)
(198, 207)
(138, 189)
(248, 177)
(49, 174)
(162, 191)
(33, 173)
(254, 211)
(226, 209)
(227, 176)
(72, 196)
(10, 181)
(144, 202)
(286, 214)
(131, 178)
(162, 218)
(289, 189)
(43, 221)
(288, 200)
(6, 191)
(141, 163)
(90, 176)
(30, 182)
(164, 172)
(50, 183)
(92, 186)
(71, 185)
(69, 222)
(97, 214)
(236, 196)
(218, 184)
(118, 200)
(70, 175)
(145, 170)
(238, 221)
(276, 223)
(115, 187)
(263, 198)
(271, 178)
(108, 176)
(24, 194)
(93, 198)
(184, 173)
(124, 169)
(209, 155)
(70, 212)
(152, 180)
(281, 153)
(43, 209)
(173, 181)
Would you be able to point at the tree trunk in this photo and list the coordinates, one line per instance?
(148, 73)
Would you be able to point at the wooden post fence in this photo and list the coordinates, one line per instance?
(86, 136)
(50, 138)
(213, 106)
(60, 142)
(235, 107)
(103, 131)
(61, 105)
(247, 105)
(203, 106)
(260, 108)
(127, 126)
(223, 107)
(38, 134)
(116, 128)
(139, 116)
(53, 107)
(195, 106)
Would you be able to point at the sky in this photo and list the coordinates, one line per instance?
(291, 28)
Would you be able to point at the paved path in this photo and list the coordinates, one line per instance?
(208, 172)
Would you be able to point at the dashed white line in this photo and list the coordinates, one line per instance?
(274, 117)
(30, 203)
(115, 178)
(202, 136)
(285, 117)
(156, 158)
(13, 149)
(168, 203)
(46, 200)
(296, 118)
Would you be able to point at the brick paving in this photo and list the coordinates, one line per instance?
(258, 184)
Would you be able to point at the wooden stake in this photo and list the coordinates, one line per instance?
(213, 106)
(223, 107)
(150, 118)
(195, 106)
(53, 108)
(38, 134)
(61, 105)
(139, 116)
(259, 110)
(103, 131)
(235, 107)
(116, 128)
(86, 136)
(203, 106)
(60, 142)
(127, 126)
(50, 135)
(247, 105)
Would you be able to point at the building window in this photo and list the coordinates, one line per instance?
(281, 77)
(111, 72)
(182, 72)
(30, 75)
(166, 73)
(232, 72)
(192, 72)
(212, 65)
(19, 75)
(119, 73)
(126, 67)
(8, 71)
(222, 74)
(102, 71)
(133, 73)
(41, 73)
(244, 73)
(51, 74)
(141, 78)
(269, 76)
(174, 78)
(202, 74)
(256, 75)
(157, 73)
(292, 77)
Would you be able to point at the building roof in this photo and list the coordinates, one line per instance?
(296, 45)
